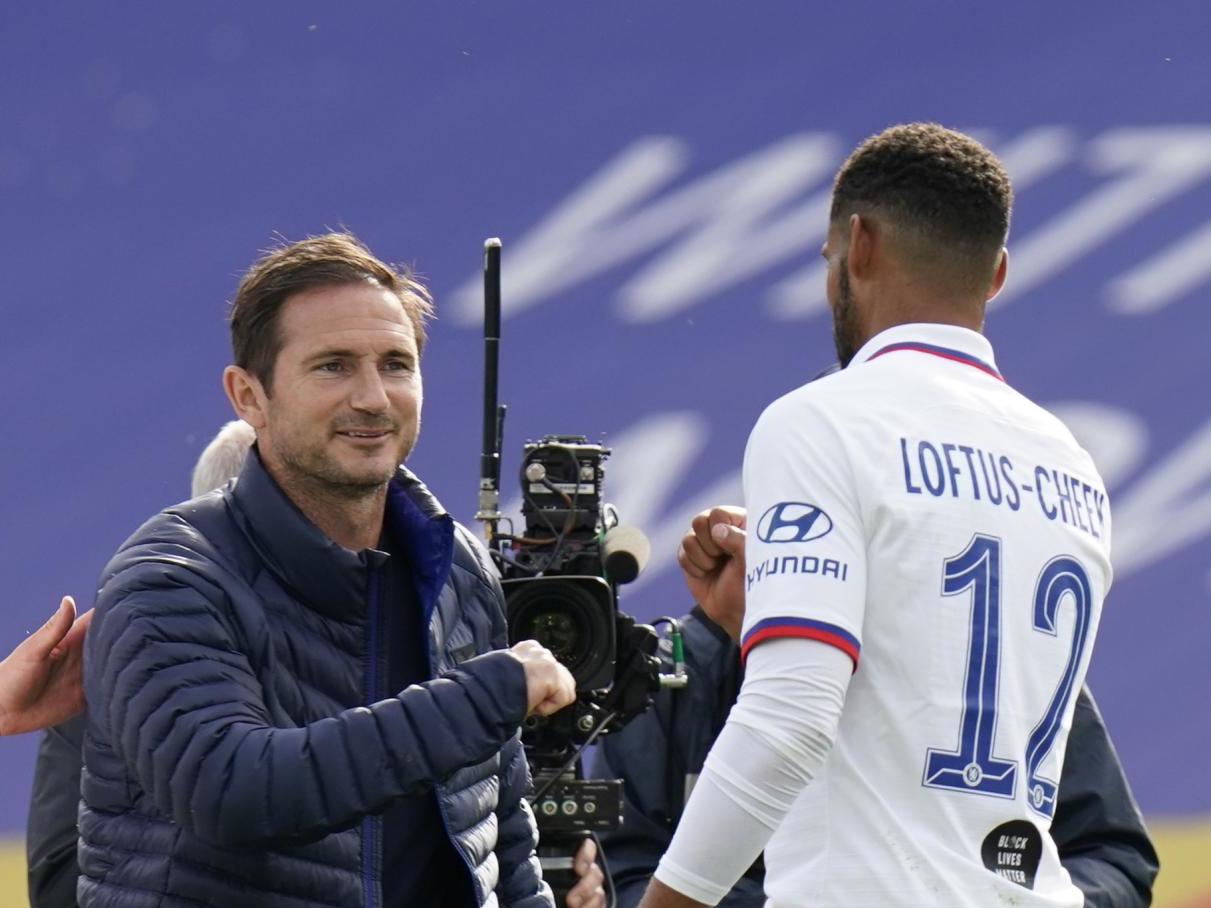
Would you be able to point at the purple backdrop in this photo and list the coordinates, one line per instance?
(658, 173)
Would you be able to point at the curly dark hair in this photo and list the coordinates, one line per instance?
(941, 188)
(331, 260)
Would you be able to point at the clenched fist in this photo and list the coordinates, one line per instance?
(549, 686)
(711, 556)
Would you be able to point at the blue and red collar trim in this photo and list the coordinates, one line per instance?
(957, 356)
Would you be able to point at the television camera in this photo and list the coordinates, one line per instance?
(560, 577)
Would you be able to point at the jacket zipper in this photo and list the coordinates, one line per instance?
(370, 825)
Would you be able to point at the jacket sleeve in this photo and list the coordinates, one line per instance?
(1097, 826)
(50, 843)
(183, 710)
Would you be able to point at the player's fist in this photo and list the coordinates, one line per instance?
(549, 686)
(711, 556)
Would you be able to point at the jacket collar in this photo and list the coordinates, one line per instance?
(947, 341)
(326, 576)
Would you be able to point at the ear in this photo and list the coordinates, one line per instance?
(998, 279)
(247, 396)
(861, 246)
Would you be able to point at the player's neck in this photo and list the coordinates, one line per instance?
(911, 309)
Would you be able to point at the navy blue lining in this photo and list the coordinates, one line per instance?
(429, 544)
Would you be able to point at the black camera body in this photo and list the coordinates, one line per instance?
(560, 576)
(560, 579)
(556, 588)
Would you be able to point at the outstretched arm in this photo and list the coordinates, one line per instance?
(41, 681)
(183, 710)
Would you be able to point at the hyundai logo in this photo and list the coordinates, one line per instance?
(793, 521)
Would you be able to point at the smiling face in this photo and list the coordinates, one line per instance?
(345, 405)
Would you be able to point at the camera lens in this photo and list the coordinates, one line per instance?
(560, 631)
(573, 617)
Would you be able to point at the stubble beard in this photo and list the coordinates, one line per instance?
(846, 332)
(323, 476)
(314, 471)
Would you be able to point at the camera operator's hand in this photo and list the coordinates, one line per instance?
(711, 556)
(42, 680)
(589, 891)
(549, 686)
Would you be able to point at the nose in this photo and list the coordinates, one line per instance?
(369, 395)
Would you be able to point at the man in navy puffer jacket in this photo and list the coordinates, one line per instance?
(292, 698)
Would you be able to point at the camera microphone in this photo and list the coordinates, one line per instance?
(625, 552)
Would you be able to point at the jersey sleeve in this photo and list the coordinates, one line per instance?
(806, 550)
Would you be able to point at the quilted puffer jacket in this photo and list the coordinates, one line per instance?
(238, 745)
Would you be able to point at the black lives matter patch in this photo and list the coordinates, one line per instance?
(1013, 850)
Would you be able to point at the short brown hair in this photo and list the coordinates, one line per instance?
(330, 260)
(945, 189)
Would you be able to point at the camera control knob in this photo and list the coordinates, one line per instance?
(536, 472)
(549, 808)
(569, 808)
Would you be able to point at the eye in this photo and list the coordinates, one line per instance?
(332, 365)
(397, 365)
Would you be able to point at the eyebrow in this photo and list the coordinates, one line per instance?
(340, 353)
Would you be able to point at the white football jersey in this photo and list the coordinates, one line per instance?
(954, 539)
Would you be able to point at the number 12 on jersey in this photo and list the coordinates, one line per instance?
(973, 768)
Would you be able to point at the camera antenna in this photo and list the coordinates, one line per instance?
(494, 414)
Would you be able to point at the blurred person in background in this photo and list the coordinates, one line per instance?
(293, 693)
(52, 836)
(1101, 837)
(40, 680)
(222, 459)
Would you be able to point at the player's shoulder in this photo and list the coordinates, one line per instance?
(820, 395)
(807, 422)
(1053, 430)
(828, 404)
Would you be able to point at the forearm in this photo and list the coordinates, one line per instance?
(658, 895)
(357, 763)
(188, 720)
(776, 739)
